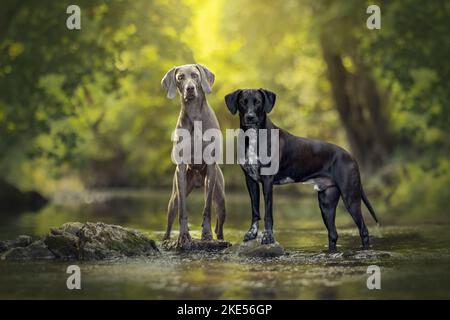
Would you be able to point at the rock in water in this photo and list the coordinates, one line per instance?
(370, 254)
(78, 241)
(20, 241)
(197, 245)
(255, 249)
(63, 245)
(100, 241)
(35, 251)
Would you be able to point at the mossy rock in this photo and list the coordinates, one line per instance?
(64, 246)
(81, 241)
(35, 251)
(99, 240)
(20, 241)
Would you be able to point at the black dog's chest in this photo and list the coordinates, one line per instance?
(252, 165)
(252, 170)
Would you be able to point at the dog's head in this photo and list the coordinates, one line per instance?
(252, 104)
(191, 80)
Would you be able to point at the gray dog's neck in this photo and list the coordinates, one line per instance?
(194, 108)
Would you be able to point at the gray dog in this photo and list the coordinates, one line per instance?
(193, 82)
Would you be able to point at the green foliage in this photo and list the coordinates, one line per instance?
(411, 54)
(90, 94)
(88, 103)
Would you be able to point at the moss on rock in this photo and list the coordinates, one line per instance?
(81, 241)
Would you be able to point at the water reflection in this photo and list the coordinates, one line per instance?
(406, 254)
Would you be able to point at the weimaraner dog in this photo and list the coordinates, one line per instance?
(193, 82)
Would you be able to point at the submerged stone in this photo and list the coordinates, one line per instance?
(20, 241)
(88, 241)
(35, 251)
(255, 249)
(196, 245)
(371, 254)
(3, 246)
(350, 256)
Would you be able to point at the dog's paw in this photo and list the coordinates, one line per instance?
(206, 231)
(250, 235)
(184, 239)
(332, 248)
(166, 236)
(365, 243)
(207, 236)
(267, 237)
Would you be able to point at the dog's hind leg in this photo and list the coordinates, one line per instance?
(219, 204)
(348, 180)
(352, 201)
(328, 201)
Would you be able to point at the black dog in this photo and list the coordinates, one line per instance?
(332, 170)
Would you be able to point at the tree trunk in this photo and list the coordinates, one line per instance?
(360, 109)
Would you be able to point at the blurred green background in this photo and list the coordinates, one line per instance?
(83, 110)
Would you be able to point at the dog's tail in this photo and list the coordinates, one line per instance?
(368, 205)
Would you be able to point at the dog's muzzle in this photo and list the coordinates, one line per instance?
(251, 120)
(190, 92)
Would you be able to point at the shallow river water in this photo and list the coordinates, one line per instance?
(414, 259)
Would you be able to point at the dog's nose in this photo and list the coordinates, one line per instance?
(250, 118)
(190, 89)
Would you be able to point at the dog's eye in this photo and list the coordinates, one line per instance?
(194, 76)
(245, 101)
(180, 77)
(257, 102)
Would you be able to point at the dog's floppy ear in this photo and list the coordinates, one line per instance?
(231, 101)
(169, 84)
(207, 78)
(269, 99)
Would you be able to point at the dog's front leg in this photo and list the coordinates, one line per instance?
(253, 190)
(209, 190)
(184, 236)
(267, 182)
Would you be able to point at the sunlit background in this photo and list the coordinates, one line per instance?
(84, 109)
(85, 124)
